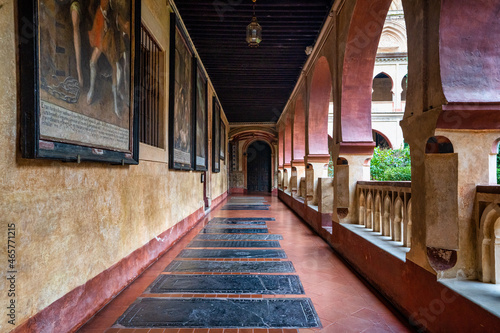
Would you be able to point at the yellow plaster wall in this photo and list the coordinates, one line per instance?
(75, 221)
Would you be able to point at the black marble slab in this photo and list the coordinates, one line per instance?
(199, 266)
(233, 254)
(220, 313)
(237, 222)
(224, 219)
(231, 226)
(235, 244)
(246, 207)
(227, 284)
(238, 237)
(234, 231)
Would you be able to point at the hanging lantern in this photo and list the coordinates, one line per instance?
(254, 30)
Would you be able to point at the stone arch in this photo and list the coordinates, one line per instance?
(439, 145)
(299, 130)
(393, 38)
(407, 226)
(248, 143)
(382, 88)
(489, 244)
(365, 29)
(362, 209)
(319, 103)
(369, 211)
(377, 219)
(386, 217)
(379, 138)
(494, 164)
(397, 225)
(281, 147)
(404, 86)
(288, 141)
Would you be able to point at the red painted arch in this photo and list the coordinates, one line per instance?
(363, 38)
(281, 147)
(319, 103)
(288, 141)
(468, 50)
(299, 131)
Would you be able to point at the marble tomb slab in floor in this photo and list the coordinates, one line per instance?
(227, 284)
(234, 231)
(235, 244)
(200, 266)
(249, 222)
(238, 237)
(246, 207)
(234, 219)
(220, 313)
(233, 254)
(230, 226)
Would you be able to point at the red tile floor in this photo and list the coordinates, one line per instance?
(344, 303)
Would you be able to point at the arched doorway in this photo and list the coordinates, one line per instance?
(259, 167)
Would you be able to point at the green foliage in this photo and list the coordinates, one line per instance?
(391, 164)
(330, 167)
(498, 168)
(397, 174)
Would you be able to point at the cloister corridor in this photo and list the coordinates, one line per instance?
(343, 301)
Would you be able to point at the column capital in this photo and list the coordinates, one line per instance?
(298, 163)
(317, 158)
(356, 148)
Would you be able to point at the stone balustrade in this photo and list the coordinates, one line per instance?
(385, 207)
(487, 217)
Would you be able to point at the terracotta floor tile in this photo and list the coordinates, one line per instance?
(245, 330)
(186, 330)
(231, 330)
(112, 330)
(343, 302)
(142, 330)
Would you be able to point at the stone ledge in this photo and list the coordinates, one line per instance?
(382, 242)
(486, 295)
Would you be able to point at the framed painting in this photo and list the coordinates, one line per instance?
(216, 136)
(182, 99)
(79, 80)
(201, 121)
(222, 140)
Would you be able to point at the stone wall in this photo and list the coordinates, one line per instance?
(74, 221)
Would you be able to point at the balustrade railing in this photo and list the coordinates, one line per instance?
(385, 207)
(487, 216)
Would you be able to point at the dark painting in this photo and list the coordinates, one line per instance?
(216, 136)
(201, 122)
(222, 140)
(84, 51)
(181, 107)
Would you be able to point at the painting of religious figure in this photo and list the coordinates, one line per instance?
(181, 107)
(216, 135)
(222, 140)
(201, 122)
(85, 107)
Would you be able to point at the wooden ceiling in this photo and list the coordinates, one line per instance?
(253, 84)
